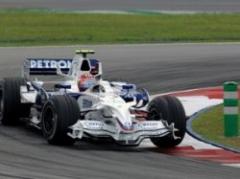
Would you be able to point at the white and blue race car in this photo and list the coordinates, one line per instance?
(83, 105)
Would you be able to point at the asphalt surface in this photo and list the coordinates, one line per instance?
(159, 68)
(25, 154)
(162, 5)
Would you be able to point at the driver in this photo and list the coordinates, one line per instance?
(87, 77)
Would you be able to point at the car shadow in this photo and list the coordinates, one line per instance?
(31, 136)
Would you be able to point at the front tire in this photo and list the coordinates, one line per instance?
(170, 110)
(59, 113)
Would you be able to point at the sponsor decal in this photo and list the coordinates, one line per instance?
(94, 125)
(128, 125)
(87, 103)
(50, 63)
(147, 125)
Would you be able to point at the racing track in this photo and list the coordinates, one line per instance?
(123, 5)
(160, 68)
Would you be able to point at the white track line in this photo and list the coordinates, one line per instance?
(236, 165)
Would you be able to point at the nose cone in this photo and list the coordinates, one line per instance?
(124, 117)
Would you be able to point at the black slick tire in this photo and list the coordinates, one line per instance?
(169, 109)
(58, 114)
(11, 107)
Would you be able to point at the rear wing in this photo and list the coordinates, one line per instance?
(46, 66)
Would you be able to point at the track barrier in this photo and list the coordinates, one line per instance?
(231, 112)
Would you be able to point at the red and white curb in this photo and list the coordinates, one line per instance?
(194, 101)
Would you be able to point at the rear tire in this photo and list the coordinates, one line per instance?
(11, 107)
(58, 114)
(169, 109)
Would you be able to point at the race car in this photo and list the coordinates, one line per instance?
(81, 105)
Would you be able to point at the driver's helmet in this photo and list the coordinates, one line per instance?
(86, 81)
(89, 69)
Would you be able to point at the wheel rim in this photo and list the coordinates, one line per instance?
(154, 115)
(49, 120)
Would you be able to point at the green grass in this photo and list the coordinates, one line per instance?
(210, 126)
(35, 27)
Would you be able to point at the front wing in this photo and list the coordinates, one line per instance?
(139, 131)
